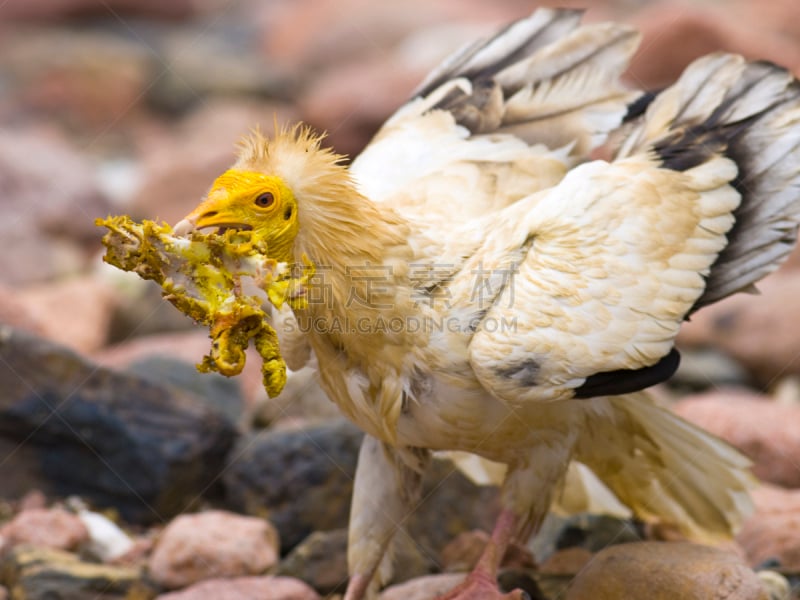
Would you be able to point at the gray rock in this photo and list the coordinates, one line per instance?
(115, 439)
(37, 573)
(222, 62)
(320, 560)
(300, 480)
(141, 310)
(302, 397)
(518, 579)
(221, 394)
(452, 504)
(595, 532)
(705, 368)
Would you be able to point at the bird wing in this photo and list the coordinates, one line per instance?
(501, 118)
(601, 270)
(596, 280)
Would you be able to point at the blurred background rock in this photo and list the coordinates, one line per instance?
(134, 106)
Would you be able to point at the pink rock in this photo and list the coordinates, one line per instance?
(212, 544)
(14, 312)
(75, 312)
(34, 499)
(423, 588)
(138, 554)
(764, 431)
(49, 205)
(773, 532)
(245, 588)
(45, 527)
(759, 331)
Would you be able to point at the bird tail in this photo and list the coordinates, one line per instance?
(643, 460)
(666, 469)
(544, 78)
(724, 109)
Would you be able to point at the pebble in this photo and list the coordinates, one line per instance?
(245, 588)
(665, 571)
(45, 528)
(45, 573)
(423, 588)
(107, 541)
(773, 531)
(212, 544)
(320, 560)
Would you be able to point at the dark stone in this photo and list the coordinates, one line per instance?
(40, 573)
(595, 532)
(221, 394)
(451, 504)
(115, 439)
(320, 560)
(515, 579)
(301, 480)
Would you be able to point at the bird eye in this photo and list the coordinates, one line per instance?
(265, 200)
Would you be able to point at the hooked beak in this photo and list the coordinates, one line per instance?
(212, 212)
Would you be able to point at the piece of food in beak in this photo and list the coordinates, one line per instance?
(200, 274)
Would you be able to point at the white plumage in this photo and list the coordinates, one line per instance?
(546, 288)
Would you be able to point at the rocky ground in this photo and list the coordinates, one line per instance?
(126, 474)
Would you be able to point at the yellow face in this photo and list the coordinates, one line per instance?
(249, 200)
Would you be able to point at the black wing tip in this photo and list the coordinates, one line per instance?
(625, 381)
(638, 107)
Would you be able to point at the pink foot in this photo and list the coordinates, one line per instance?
(480, 586)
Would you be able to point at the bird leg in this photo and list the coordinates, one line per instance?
(481, 583)
(387, 483)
